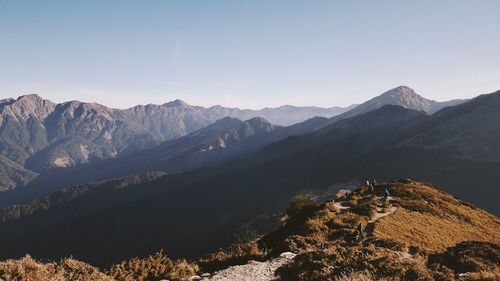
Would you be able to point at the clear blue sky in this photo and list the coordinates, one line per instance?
(247, 53)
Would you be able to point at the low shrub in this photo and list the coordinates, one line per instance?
(235, 255)
(28, 268)
(154, 267)
(299, 203)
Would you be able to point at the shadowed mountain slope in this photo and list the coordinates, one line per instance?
(225, 140)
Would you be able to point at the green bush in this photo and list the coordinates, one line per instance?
(300, 202)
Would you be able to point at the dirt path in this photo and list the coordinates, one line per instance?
(380, 215)
(370, 227)
(253, 270)
(339, 205)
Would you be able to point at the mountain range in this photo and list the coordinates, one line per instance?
(38, 135)
(217, 201)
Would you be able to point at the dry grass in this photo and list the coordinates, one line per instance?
(366, 206)
(67, 270)
(236, 255)
(481, 276)
(340, 260)
(449, 223)
(154, 267)
(471, 256)
(429, 232)
(360, 276)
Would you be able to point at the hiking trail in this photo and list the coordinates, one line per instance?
(253, 270)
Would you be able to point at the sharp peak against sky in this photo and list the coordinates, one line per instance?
(247, 54)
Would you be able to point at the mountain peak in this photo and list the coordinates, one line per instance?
(402, 96)
(30, 97)
(30, 105)
(401, 91)
(32, 101)
(177, 103)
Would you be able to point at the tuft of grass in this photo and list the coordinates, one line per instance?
(365, 207)
(153, 267)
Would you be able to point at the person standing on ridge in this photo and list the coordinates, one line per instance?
(386, 193)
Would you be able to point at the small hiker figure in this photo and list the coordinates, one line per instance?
(386, 198)
(386, 193)
(374, 182)
(361, 230)
(371, 189)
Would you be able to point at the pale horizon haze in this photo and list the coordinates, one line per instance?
(247, 54)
